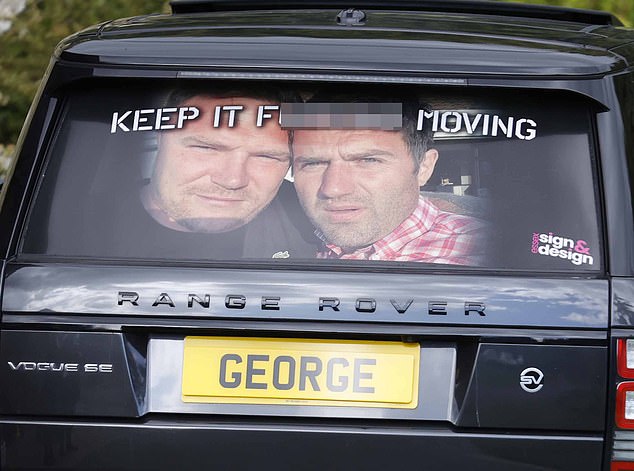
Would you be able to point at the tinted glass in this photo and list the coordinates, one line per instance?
(233, 171)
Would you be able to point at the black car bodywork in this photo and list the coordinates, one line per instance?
(90, 373)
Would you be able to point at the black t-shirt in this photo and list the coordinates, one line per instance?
(120, 227)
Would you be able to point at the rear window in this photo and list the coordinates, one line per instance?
(238, 171)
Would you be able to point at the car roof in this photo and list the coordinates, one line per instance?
(391, 40)
(457, 6)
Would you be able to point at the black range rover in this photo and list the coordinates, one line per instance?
(324, 235)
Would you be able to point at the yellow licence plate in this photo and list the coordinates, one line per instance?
(300, 372)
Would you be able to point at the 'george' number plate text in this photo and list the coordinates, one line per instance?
(300, 372)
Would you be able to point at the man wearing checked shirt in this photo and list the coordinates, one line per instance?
(360, 188)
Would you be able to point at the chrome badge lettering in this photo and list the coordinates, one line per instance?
(60, 367)
(531, 380)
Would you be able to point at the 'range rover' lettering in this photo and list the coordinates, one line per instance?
(331, 304)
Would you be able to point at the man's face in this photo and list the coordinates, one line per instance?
(210, 179)
(357, 186)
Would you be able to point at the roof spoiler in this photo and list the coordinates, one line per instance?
(591, 17)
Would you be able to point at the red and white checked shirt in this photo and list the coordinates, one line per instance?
(427, 235)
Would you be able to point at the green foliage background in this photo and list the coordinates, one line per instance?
(26, 48)
(623, 9)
